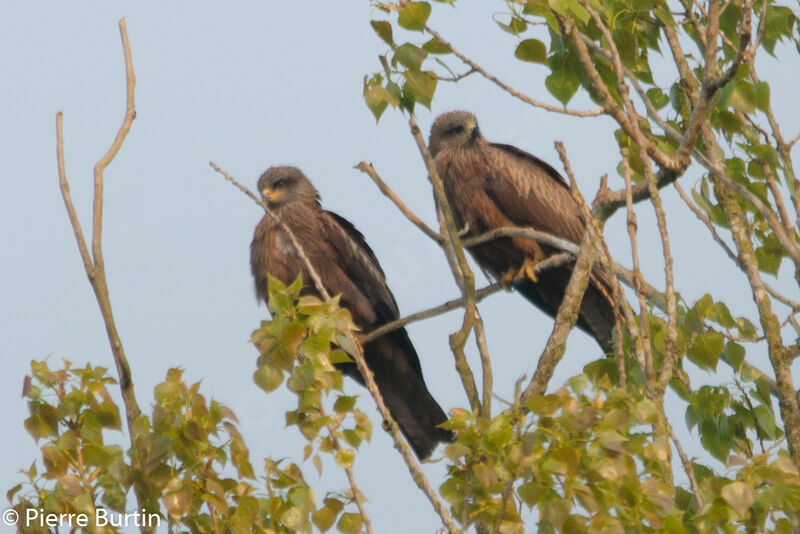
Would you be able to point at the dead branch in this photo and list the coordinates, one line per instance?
(94, 265)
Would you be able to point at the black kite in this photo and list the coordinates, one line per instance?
(347, 266)
(490, 186)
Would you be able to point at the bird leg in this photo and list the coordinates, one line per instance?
(527, 269)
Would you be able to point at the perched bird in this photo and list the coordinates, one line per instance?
(490, 186)
(347, 266)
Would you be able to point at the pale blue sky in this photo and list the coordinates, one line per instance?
(250, 85)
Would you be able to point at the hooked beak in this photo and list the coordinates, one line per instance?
(474, 132)
(269, 194)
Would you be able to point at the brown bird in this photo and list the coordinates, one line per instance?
(490, 186)
(347, 266)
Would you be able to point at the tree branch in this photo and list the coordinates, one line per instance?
(568, 311)
(459, 266)
(369, 170)
(552, 262)
(95, 268)
(507, 88)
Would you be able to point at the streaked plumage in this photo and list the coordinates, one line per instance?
(347, 266)
(490, 186)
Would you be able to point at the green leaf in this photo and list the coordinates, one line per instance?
(435, 47)
(324, 518)
(344, 404)
(739, 496)
(452, 490)
(350, 523)
(562, 84)
(734, 354)
(352, 437)
(531, 50)
(410, 56)
(766, 422)
(514, 27)
(769, 255)
(565, 7)
(761, 96)
(531, 492)
(345, 457)
(377, 99)
(706, 349)
(657, 97)
(414, 15)
(422, 86)
(743, 97)
(384, 30)
(268, 378)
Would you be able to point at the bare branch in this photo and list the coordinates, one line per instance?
(369, 170)
(459, 266)
(524, 232)
(565, 319)
(644, 338)
(688, 467)
(65, 194)
(778, 354)
(100, 166)
(94, 266)
(705, 220)
(552, 262)
(568, 311)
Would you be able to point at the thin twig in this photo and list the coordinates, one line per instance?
(688, 468)
(369, 170)
(638, 279)
(706, 221)
(507, 88)
(557, 260)
(348, 469)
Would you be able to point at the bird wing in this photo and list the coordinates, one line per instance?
(360, 264)
(531, 193)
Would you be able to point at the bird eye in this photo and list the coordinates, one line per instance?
(455, 130)
(280, 183)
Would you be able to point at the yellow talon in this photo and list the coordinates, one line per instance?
(507, 278)
(528, 267)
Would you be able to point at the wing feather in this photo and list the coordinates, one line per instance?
(360, 264)
(531, 193)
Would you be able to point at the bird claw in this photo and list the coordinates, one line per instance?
(526, 270)
(529, 268)
(507, 278)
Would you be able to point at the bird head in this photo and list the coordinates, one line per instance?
(454, 129)
(283, 185)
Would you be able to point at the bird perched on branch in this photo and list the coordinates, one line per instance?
(346, 266)
(491, 186)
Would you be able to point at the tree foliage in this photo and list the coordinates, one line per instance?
(595, 454)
